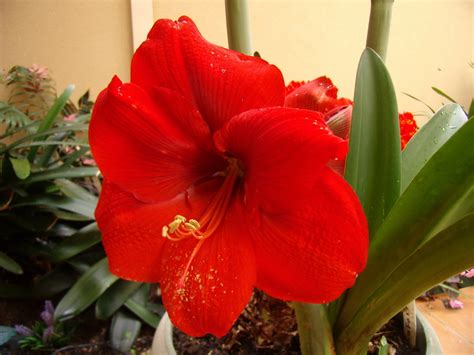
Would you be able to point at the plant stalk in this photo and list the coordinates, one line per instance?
(238, 26)
(314, 329)
(379, 26)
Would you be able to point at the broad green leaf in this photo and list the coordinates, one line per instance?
(71, 158)
(9, 264)
(56, 281)
(77, 243)
(21, 167)
(383, 350)
(50, 118)
(74, 205)
(137, 303)
(86, 290)
(112, 299)
(373, 162)
(448, 253)
(123, 331)
(51, 143)
(75, 191)
(429, 139)
(60, 173)
(6, 333)
(435, 199)
(470, 112)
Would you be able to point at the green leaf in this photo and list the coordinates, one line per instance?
(383, 350)
(86, 290)
(437, 197)
(50, 117)
(75, 191)
(373, 162)
(62, 173)
(470, 112)
(429, 139)
(77, 243)
(74, 205)
(21, 167)
(448, 253)
(9, 264)
(137, 305)
(421, 101)
(56, 281)
(6, 333)
(442, 93)
(123, 331)
(112, 299)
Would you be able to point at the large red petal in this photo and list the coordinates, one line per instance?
(315, 252)
(220, 82)
(219, 281)
(282, 152)
(317, 95)
(131, 229)
(153, 149)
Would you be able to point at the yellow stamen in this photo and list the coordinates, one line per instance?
(181, 228)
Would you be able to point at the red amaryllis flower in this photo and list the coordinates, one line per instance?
(408, 127)
(211, 187)
(317, 95)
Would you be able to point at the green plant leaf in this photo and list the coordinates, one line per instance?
(9, 264)
(437, 197)
(74, 205)
(383, 350)
(449, 253)
(115, 296)
(137, 303)
(6, 333)
(60, 173)
(50, 117)
(429, 139)
(75, 191)
(86, 290)
(442, 93)
(123, 331)
(77, 243)
(470, 112)
(56, 281)
(373, 162)
(21, 167)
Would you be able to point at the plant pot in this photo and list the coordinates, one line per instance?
(427, 340)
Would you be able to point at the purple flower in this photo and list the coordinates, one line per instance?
(48, 314)
(468, 273)
(47, 333)
(23, 330)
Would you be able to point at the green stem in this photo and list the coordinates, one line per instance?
(314, 329)
(379, 26)
(238, 27)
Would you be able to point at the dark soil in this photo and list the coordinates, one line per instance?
(268, 326)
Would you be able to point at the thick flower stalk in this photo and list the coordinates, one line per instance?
(212, 187)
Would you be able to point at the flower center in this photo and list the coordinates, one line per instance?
(181, 228)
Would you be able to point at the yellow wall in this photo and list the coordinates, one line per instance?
(84, 42)
(87, 41)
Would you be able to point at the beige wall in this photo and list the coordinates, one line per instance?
(87, 41)
(84, 42)
(431, 42)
